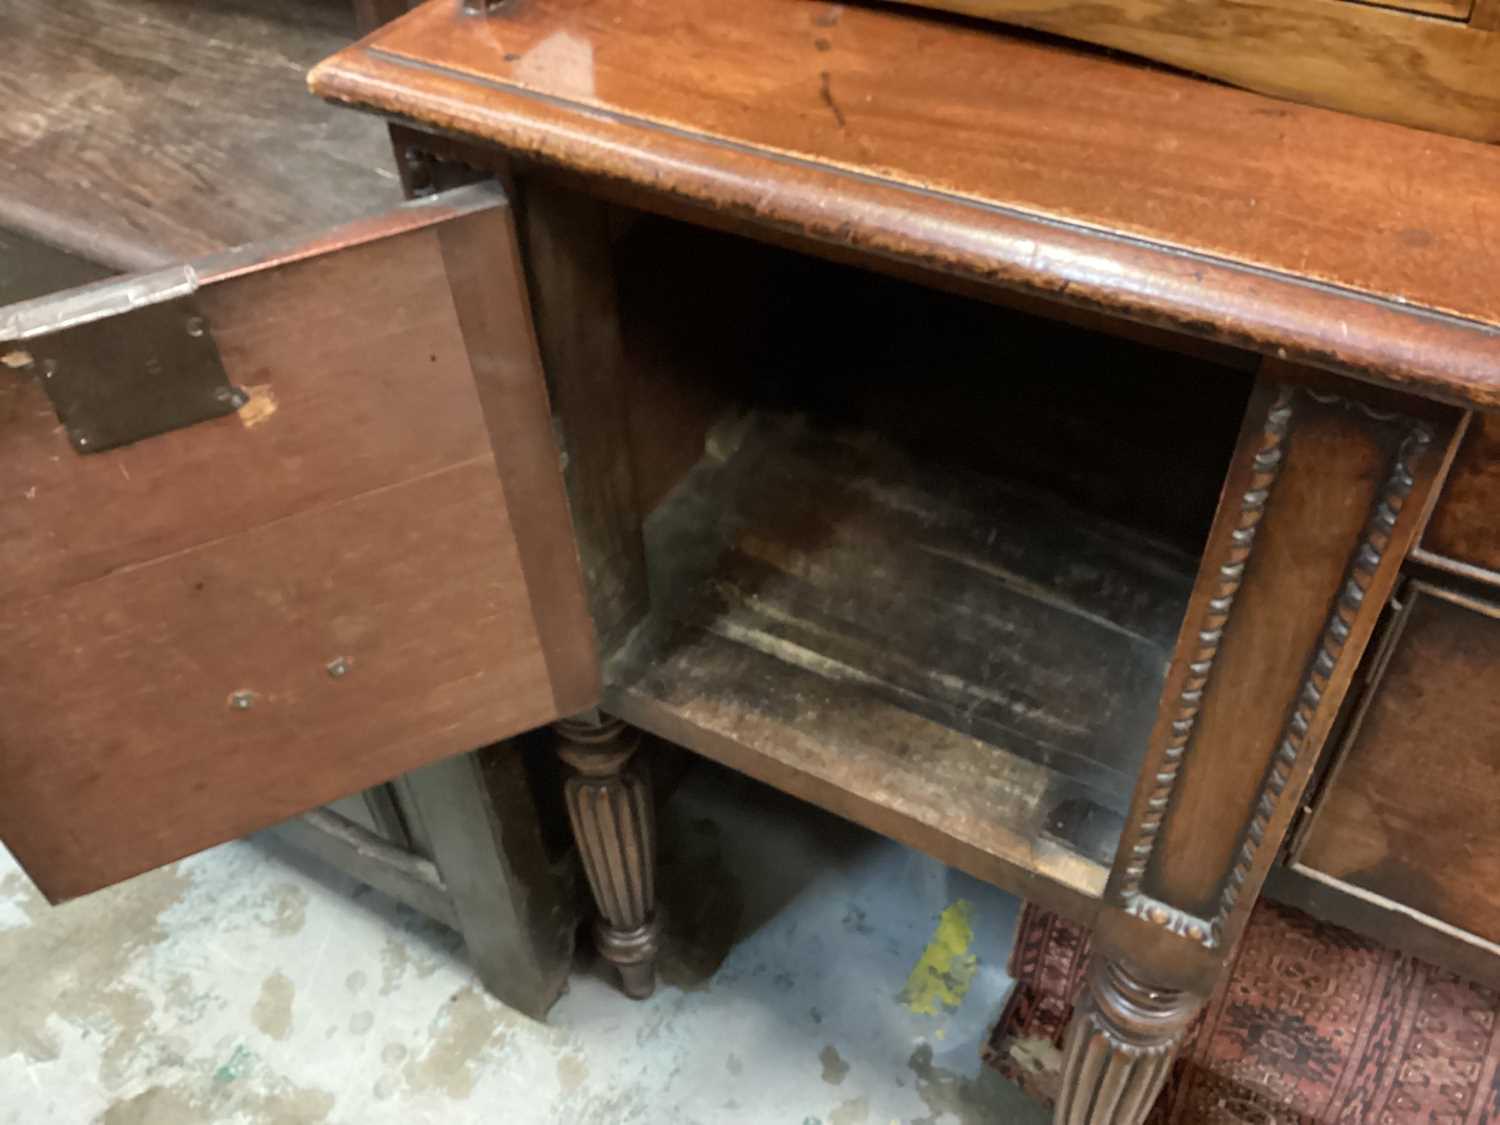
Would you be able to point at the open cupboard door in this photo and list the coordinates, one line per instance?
(276, 527)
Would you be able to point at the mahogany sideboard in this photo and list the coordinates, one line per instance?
(1076, 471)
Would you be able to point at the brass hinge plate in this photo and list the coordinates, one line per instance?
(122, 360)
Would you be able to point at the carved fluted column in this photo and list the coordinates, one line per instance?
(609, 804)
(1120, 1046)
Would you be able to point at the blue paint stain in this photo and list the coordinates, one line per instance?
(239, 1062)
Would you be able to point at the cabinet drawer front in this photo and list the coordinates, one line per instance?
(1411, 812)
(366, 567)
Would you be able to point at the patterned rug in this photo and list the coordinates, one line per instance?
(1312, 1024)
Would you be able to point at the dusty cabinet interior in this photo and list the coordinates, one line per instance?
(914, 557)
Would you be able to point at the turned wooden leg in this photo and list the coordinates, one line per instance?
(1120, 1046)
(609, 804)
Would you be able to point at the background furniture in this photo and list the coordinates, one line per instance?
(1427, 63)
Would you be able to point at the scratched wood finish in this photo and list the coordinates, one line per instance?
(1312, 537)
(141, 133)
(966, 140)
(358, 371)
(1409, 812)
(1374, 60)
(984, 814)
(965, 664)
(353, 511)
(1465, 524)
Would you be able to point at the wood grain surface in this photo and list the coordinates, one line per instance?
(1437, 74)
(1258, 678)
(214, 629)
(1333, 901)
(575, 306)
(1452, 9)
(122, 747)
(331, 416)
(1409, 812)
(1465, 524)
(1330, 480)
(949, 795)
(1148, 195)
(963, 663)
(482, 261)
(139, 133)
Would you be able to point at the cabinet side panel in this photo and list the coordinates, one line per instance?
(1411, 814)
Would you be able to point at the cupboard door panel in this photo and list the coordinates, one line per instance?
(365, 567)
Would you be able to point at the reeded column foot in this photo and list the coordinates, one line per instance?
(609, 805)
(1120, 1046)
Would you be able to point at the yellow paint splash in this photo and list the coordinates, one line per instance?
(941, 978)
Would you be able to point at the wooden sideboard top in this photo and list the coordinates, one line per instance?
(1350, 244)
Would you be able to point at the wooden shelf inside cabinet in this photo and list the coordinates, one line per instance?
(962, 663)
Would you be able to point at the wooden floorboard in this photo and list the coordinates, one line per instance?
(140, 132)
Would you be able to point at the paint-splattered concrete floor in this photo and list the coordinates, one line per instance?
(245, 985)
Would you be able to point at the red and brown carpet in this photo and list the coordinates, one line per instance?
(1312, 1024)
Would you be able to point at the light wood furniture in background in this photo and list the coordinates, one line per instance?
(1018, 452)
(1433, 64)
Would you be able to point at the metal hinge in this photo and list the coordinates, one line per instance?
(123, 359)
